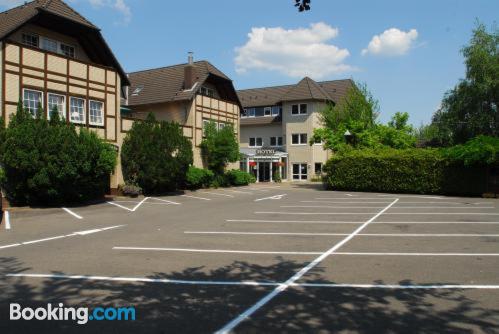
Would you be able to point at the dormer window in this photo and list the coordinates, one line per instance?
(137, 90)
(207, 92)
(67, 50)
(49, 44)
(30, 39)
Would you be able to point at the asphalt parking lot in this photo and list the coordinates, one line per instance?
(260, 259)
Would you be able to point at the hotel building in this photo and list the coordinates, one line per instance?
(191, 94)
(277, 124)
(52, 56)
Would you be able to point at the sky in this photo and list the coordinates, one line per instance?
(406, 51)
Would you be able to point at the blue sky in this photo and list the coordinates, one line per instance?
(411, 48)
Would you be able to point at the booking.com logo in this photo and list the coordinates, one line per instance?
(81, 314)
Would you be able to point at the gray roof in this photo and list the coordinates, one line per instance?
(305, 89)
(166, 84)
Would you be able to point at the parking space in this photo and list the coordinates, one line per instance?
(284, 255)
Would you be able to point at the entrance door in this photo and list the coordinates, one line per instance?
(264, 172)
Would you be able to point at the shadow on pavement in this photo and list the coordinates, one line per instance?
(169, 308)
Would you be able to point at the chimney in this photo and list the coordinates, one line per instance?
(189, 75)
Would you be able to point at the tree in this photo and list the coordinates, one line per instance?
(156, 155)
(352, 124)
(219, 147)
(303, 5)
(471, 108)
(51, 163)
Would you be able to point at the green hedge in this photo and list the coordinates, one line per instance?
(51, 163)
(198, 178)
(237, 177)
(422, 171)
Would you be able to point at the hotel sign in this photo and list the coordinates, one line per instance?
(265, 152)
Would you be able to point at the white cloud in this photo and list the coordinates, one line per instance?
(294, 52)
(118, 5)
(392, 42)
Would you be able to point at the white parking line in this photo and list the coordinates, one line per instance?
(396, 286)
(196, 197)
(194, 250)
(289, 221)
(214, 193)
(237, 191)
(412, 196)
(142, 279)
(345, 234)
(8, 246)
(131, 210)
(255, 283)
(6, 217)
(72, 213)
(401, 202)
(282, 287)
(370, 213)
(165, 201)
(271, 197)
(81, 233)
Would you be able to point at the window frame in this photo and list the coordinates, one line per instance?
(256, 139)
(300, 176)
(71, 98)
(46, 39)
(62, 114)
(41, 103)
(90, 113)
(277, 140)
(251, 112)
(279, 110)
(62, 52)
(299, 109)
(269, 109)
(299, 141)
(29, 34)
(320, 169)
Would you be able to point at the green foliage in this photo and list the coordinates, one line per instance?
(219, 147)
(480, 151)
(156, 156)
(199, 178)
(424, 171)
(471, 108)
(276, 176)
(238, 177)
(357, 115)
(51, 163)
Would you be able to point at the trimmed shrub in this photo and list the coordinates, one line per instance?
(50, 163)
(237, 177)
(422, 171)
(199, 178)
(130, 190)
(156, 156)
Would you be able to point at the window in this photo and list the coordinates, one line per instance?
(56, 101)
(299, 139)
(49, 44)
(77, 110)
(299, 171)
(318, 168)
(205, 125)
(317, 141)
(275, 141)
(137, 90)
(207, 91)
(30, 40)
(267, 111)
(276, 110)
(96, 113)
(221, 126)
(67, 50)
(299, 109)
(32, 99)
(255, 142)
(245, 112)
(251, 112)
